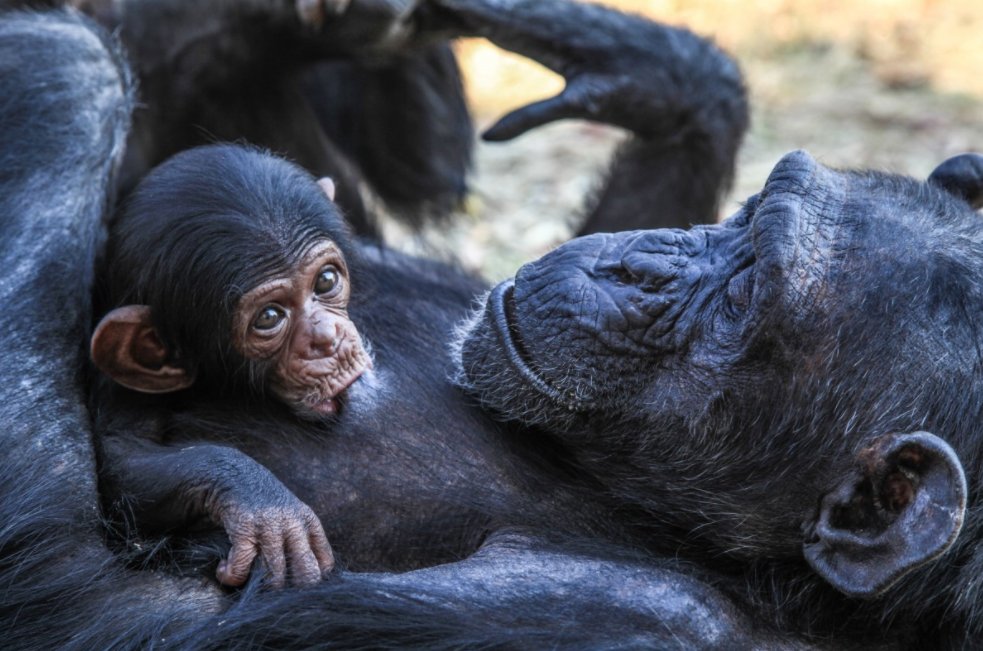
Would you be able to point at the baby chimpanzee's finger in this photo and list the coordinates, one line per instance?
(321, 547)
(274, 559)
(304, 570)
(234, 571)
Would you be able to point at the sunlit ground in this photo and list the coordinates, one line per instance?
(892, 84)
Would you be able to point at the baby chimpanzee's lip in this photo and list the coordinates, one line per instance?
(502, 306)
(331, 406)
(327, 407)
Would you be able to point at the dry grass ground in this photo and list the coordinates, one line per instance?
(892, 84)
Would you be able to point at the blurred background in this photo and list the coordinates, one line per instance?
(891, 84)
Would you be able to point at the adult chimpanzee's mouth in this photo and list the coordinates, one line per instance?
(503, 310)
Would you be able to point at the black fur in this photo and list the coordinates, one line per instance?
(206, 207)
(62, 589)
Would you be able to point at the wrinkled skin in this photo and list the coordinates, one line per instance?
(265, 520)
(739, 382)
(300, 320)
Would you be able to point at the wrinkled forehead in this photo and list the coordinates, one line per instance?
(820, 232)
(799, 187)
(866, 262)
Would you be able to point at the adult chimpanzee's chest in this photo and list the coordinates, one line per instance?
(393, 477)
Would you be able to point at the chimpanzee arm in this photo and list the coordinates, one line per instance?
(160, 487)
(64, 113)
(681, 97)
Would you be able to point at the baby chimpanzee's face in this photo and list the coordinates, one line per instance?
(299, 321)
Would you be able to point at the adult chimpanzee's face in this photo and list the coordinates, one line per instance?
(300, 321)
(667, 320)
(667, 316)
(697, 369)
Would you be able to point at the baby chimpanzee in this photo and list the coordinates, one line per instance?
(227, 279)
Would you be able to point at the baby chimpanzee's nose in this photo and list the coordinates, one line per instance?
(323, 335)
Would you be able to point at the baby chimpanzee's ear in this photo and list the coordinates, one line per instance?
(327, 186)
(902, 507)
(125, 347)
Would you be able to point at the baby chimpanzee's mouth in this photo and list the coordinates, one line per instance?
(503, 310)
(327, 407)
(331, 405)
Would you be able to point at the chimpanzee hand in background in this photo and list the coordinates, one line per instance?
(681, 97)
(620, 69)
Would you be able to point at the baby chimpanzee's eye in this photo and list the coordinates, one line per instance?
(268, 318)
(327, 280)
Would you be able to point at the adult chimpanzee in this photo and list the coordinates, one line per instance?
(53, 562)
(791, 397)
(368, 93)
(228, 272)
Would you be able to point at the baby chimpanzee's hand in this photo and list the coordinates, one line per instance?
(263, 518)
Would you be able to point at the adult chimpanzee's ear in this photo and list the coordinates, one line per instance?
(125, 347)
(962, 176)
(901, 508)
(327, 186)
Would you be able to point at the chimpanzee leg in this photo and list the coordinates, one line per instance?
(681, 97)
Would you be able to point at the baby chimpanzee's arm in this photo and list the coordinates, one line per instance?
(163, 487)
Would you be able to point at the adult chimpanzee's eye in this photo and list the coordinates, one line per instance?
(327, 280)
(268, 318)
(740, 289)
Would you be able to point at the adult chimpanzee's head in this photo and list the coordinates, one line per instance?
(228, 269)
(750, 384)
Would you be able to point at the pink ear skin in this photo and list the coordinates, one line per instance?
(327, 185)
(125, 347)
